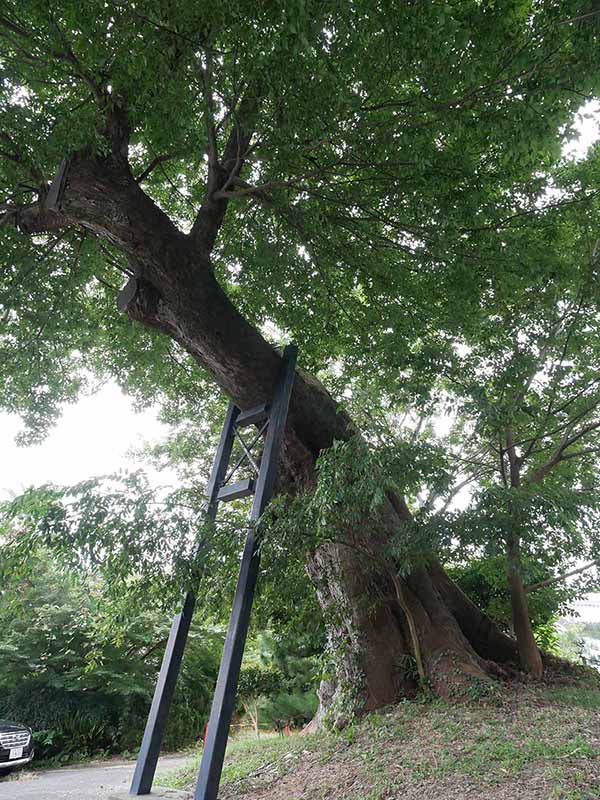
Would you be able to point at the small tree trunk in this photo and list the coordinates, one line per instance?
(529, 654)
(253, 717)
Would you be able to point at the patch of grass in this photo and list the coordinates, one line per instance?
(246, 756)
(511, 756)
(575, 696)
(538, 742)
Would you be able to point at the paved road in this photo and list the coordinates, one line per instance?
(78, 783)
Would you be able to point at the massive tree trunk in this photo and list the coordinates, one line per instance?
(386, 632)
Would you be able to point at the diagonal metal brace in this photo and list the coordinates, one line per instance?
(242, 458)
(240, 439)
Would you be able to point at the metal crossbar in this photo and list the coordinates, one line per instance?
(218, 490)
(242, 458)
(247, 452)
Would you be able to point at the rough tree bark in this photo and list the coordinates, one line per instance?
(378, 623)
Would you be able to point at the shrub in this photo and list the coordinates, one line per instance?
(84, 693)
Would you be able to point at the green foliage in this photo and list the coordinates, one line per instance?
(484, 581)
(380, 232)
(350, 503)
(592, 629)
(293, 709)
(82, 691)
(80, 667)
(571, 643)
(258, 681)
(88, 528)
(405, 214)
(70, 724)
(277, 680)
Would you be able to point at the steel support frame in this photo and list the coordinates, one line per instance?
(225, 693)
(223, 705)
(145, 767)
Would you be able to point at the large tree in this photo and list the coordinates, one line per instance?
(326, 168)
(525, 385)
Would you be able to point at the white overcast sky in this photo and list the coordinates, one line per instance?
(95, 435)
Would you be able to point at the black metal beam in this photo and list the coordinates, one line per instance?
(165, 687)
(163, 695)
(236, 490)
(225, 692)
(253, 416)
(57, 187)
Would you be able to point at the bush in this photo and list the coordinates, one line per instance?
(64, 723)
(276, 687)
(295, 710)
(83, 693)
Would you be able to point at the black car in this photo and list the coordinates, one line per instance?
(16, 745)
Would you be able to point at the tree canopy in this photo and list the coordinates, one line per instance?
(385, 184)
(393, 145)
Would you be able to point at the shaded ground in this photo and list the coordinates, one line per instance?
(540, 744)
(86, 782)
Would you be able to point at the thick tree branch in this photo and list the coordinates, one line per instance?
(34, 218)
(245, 189)
(156, 161)
(592, 426)
(222, 173)
(584, 452)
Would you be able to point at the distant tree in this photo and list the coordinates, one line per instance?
(526, 388)
(257, 681)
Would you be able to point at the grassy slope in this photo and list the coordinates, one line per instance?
(537, 744)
